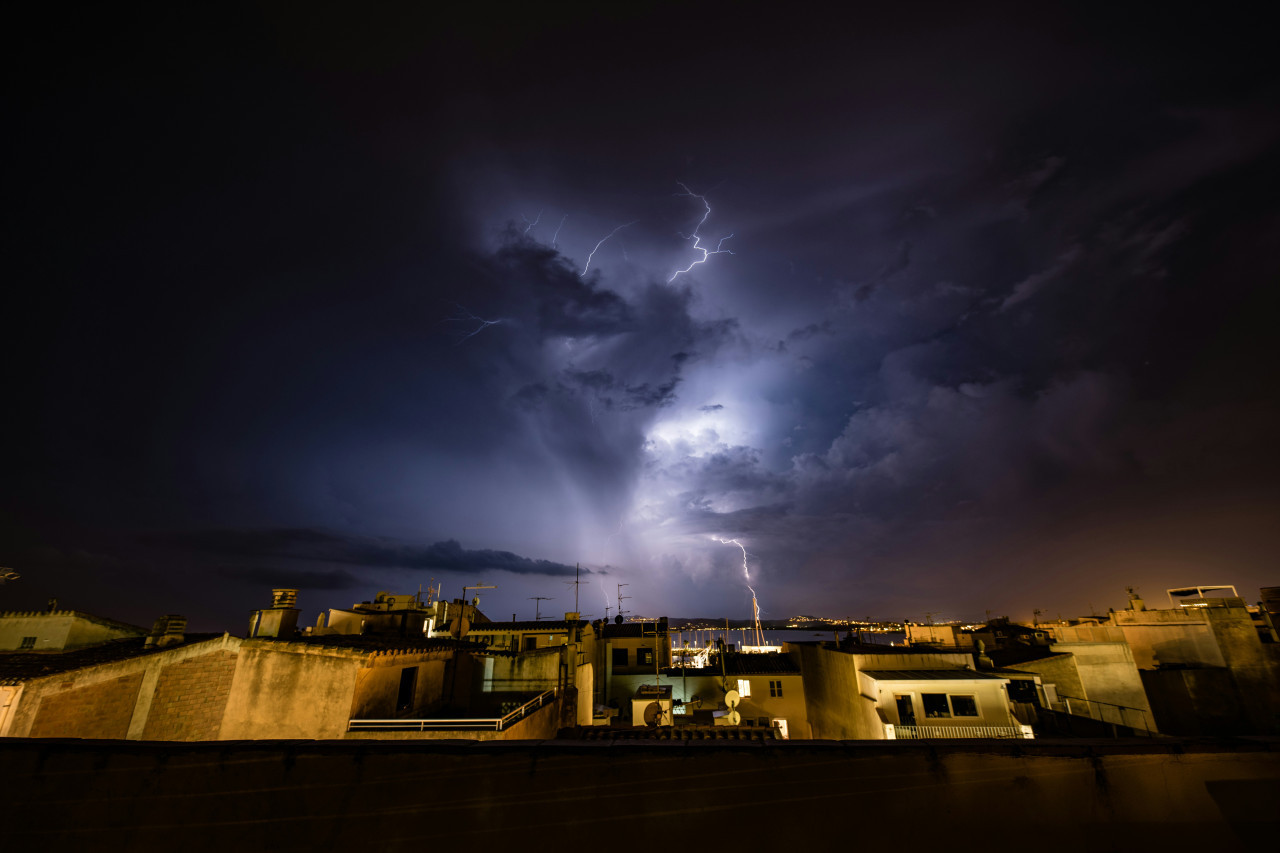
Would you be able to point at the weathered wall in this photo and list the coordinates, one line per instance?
(290, 691)
(385, 796)
(1101, 671)
(834, 704)
(528, 672)
(1169, 637)
(100, 710)
(190, 698)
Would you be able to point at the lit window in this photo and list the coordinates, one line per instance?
(744, 688)
(964, 706)
(775, 689)
(644, 656)
(28, 643)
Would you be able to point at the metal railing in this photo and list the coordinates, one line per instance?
(1137, 719)
(455, 723)
(895, 732)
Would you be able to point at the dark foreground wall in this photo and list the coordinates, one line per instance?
(565, 795)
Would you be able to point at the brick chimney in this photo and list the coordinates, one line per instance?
(167, 631)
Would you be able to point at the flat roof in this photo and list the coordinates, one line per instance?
(930, 675)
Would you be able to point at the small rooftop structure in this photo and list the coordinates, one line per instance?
(1199, 596)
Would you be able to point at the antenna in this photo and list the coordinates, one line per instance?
(481, 585)
(575, 583)
(622, 598)
(538, 599)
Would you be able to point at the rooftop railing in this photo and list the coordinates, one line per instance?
(895, 732)
(455, 723)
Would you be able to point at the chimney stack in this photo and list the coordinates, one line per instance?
(280, 620)
(167, 631)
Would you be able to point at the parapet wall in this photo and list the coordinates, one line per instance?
(535, 795)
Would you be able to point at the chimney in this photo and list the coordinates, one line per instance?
(167, 631)
(281, 620)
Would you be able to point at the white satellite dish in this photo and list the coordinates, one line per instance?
(459, 627)
(652, 714)
(732, 698)
(733, 717)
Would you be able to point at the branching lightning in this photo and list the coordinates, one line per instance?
(464, 315)
(601, 243)
(697, 238)
(556, 236)
(528, 226)
(746, 572)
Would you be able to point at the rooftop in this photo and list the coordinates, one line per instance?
(17, 667)
(956, 674)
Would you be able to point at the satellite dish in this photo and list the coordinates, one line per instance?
(732, 698)
(733, 717)
(459, 627)
(652, 714)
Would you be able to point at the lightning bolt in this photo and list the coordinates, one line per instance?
(601, 243)
(528, 226)
(556, 236)
(697, 238)
(465, 316)
(745, 572)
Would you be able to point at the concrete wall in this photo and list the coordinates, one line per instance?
(528, 672)
(835, 705)
(1048, 797)
(290, 691)
(1108, 673)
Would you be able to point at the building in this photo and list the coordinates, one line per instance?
(55, 629)
(1205, 665)
(859, 691)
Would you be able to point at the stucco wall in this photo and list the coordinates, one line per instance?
(1108, 673)
(528, 672)
(286, 691)
(61, 629)
(190, 698)
(834, 703)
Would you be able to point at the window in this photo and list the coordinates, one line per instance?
(941, 706)
(28, 643)
(530, 642)
(408, 680)
(935, 705)
(744, 688)
(775, 689)
(619, 657)
(644, 656)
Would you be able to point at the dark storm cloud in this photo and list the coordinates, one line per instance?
(312, 545)
(999, 283)
(312, 579)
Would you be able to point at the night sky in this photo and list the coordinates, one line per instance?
(297, 298)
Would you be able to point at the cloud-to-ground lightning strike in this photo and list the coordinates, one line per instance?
(556, 236)
(528, 226)
(697, 238)
(465, 316)
(601, 243)
(755, 606)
